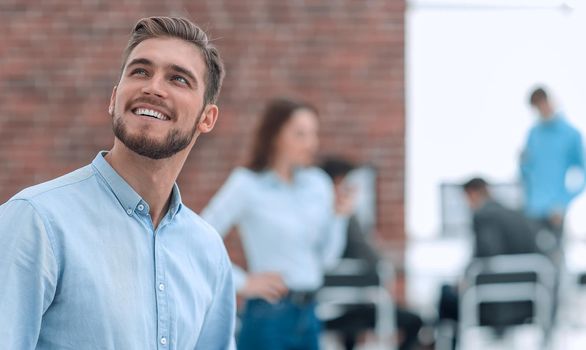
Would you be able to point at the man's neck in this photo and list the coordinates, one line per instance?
(548, 115)
(479, 203)
(152, 179)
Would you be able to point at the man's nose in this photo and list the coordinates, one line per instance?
(155, 86)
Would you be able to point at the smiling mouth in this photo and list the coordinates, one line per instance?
(145, 112)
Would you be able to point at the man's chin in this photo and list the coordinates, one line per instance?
(153, 154)
(148, 148)
(152, 147)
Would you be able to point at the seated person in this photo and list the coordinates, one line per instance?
(358, 318)
(497, 230)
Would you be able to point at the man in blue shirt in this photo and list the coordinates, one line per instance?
(107, 257)
(553, 149)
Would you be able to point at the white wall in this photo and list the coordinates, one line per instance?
(469, 73)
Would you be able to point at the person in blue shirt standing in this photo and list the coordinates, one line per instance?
(292, 228)
(107, 257)
(553, 149)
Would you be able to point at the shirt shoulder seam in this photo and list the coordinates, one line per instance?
(48, 229)
(45, 191)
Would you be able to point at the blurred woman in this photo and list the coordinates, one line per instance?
(291, 224)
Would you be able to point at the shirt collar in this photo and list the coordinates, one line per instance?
(273, 178)
(126, 195)
(175, 203)
(553, 119)
(487, 202)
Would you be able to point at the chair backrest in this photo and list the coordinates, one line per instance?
(507, 290)
(513, 277)
(512, 268)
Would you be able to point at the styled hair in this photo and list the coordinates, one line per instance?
(336, 167)
(476, 184)
(181, 28)
(537, 96)
(276, 114)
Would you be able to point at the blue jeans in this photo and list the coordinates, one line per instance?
(282, 326)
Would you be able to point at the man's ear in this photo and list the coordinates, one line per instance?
(112, 101)
(208, 119)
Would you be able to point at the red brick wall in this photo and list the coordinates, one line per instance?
(59, 61)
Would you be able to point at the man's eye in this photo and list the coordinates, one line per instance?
(139, 71)
(180, 79)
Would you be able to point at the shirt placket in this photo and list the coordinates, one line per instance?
(163, 318)
(161, 293)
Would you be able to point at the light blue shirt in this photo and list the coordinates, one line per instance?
(81, 267)
(553, 148)
(289, 228)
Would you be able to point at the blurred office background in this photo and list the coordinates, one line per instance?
(428, 92)
(470, 67)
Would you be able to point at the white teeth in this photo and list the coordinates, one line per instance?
(150, 113)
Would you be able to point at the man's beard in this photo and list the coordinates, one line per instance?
(143, 145)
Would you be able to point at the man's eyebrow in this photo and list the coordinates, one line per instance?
(143, 61)
(185, 71)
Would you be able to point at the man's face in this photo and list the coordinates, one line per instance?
(157, 104)
(475, 199)
(544, 108)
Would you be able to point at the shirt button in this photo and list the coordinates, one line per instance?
(161, 287)
(129, 211)
(140, 207)
(163, 340)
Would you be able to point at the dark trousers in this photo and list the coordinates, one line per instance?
(359, 318)
(499, 316)
(286, 325)
(555, 252)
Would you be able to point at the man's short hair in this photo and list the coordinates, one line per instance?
(181, 28)
(538, 95)
(476, 184)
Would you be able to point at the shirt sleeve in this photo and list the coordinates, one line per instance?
(225, 210)
(227, 206)
(218, 328)
(576, 161)
(28, 271)
(333, 245)
(525, 162)
(334, 231)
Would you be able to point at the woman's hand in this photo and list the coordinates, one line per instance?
(345, 200)
(267, 285)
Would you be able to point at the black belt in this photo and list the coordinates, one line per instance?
(300, 297)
